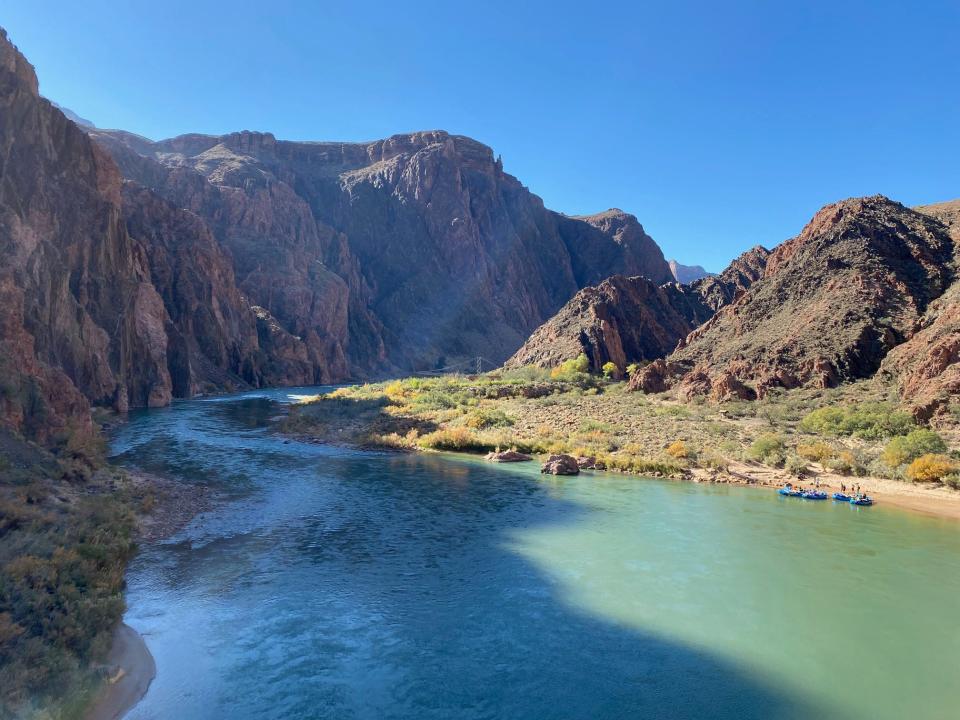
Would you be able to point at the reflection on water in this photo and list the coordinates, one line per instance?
(344, 584)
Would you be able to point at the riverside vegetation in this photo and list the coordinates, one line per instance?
(66, 533)
(855, 430)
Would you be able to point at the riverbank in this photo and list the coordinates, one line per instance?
(132, 669)
(783, 438)
(163, 507)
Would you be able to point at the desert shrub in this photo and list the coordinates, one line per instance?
(907, 448)
(632, 369)
(768, 449)
(631, 463)
(713, 460)
(596, 426)
(931, 468)
(843, 463)
(454, 438)
(869, 421)
(610, 370)
(483, 418)
(796, 466)
(61, 585)
(526, 374)
(817, 452)
(678, 449)
(951, 480)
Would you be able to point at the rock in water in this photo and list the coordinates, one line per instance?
(507, 456)
(560, 465)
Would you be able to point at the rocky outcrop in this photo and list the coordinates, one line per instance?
(831, 304)
(409, 253)
(926, 368)
(622, 320)
(684, 274)
(719, 290)
(612, 242)
(627, 320)
(560, 465)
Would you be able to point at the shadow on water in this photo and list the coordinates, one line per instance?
(383, 586)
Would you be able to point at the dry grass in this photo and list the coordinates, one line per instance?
(530, 411)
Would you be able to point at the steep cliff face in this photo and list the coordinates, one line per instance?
(115, 296)
(436, 253)
(80, 318)
(631, 319)
(832, 302)
(926, 368)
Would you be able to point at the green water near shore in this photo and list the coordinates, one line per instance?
(334, 583)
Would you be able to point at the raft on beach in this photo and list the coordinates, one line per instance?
(790, 491)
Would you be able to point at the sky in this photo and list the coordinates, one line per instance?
(720, 125)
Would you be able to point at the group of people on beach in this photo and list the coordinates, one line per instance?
(854, 489)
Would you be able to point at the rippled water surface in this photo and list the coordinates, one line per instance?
(334, 583)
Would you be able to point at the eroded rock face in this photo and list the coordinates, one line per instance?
(621, 320)
(627, 320)
(408, 253)
(81, 319)
(115, 296)
(831, 304)
(926, 368)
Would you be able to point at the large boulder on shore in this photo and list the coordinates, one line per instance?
(561, 465)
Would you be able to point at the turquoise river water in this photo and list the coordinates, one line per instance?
(336, 583)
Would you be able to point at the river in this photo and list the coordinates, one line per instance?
(338, 583)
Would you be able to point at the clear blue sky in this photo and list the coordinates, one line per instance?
(719, 124)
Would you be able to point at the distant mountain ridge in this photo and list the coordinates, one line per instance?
(684, 274)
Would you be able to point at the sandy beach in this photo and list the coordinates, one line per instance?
(132, 668)
(929, 499)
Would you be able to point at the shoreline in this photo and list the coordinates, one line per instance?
(929, 500)
(172, 505)
(932, 501)
(133, 669)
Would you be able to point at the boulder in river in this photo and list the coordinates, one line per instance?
(560, 465)
(507, 456)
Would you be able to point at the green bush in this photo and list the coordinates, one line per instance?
(572, 370)
(796, 466)
(869, 421)
(483, 418)
(907, 448)
(768, 449)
